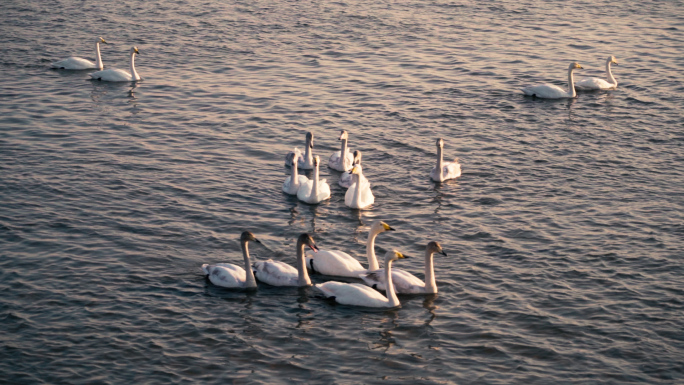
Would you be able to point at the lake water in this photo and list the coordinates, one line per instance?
(565, 233)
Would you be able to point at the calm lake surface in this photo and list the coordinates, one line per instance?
(565, 233)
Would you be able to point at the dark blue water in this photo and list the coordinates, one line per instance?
(564, 234)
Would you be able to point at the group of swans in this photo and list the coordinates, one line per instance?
(316, 190)
(550, 91)
(108, 75)
(333, 263)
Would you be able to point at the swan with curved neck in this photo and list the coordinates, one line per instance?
(346, 177)
(340, 264)
(78, 63)
(588, 84)
(278, 273)
(444, 170)
(304, 162)
(233, 276)
(359, 194)
(117, 75)
(550, 91)
(405, 282)
(341, 160)
(314, 191)
(356, 294)
(294, 181)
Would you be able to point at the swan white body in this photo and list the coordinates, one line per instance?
(341, 264)
(78, 63)
(117, 75)
(304, 161)
(314, 191)
(550, 91)
(444, 170)
(405, 282)
(294, 181)
(278, 273)
(341, 160)
(233, 276)
(346, 177)
(588, 84)
(360, 295)
(359, 194)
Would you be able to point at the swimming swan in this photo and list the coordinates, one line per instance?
(444, 170)
(346, 177)
(78, 63)
(341, 264)
(361, 295)
(405, 282)
(550, 91)
(359, 194)
(341, 160)
(278, 273)
(314, 191)
(117, 75)
(294, 181)
(233, 276)
(305, 162)
(587, 84)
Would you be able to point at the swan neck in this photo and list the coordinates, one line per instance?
(98, 57)
(609, 74)
(302, 274)
(391, 295)
(308, 156)
(343, 153)
(356, 198)
(314, 189)
(440, 161)
(571, 84)
(250, 282)
(430, 283)
(134, 74)
(370, 252)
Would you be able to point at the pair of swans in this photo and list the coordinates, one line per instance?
(296, 159)
(550, 91)
(109, 75)
(79, 63)
(444, 170)
(274, 273)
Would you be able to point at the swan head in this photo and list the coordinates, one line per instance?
(613, 60)
(575, 66)
(435, 247)
(440, 143)
(307, 240)
(380, 227)
(343, 135)
(355, 170)
(247, 237)
(316, 161)
(309, 139)
(393, 255)
(135, 50)
(101, 40)
(357, 157)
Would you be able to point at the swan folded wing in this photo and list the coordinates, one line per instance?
(334, 262)
(275, 273)
(225, 275)
(112, 75)
(548, 91)
(452, 170)
(593, 84)
(354, 294)
(74, 63)
(404, 282)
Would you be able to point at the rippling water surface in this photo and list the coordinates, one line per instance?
(564, 234)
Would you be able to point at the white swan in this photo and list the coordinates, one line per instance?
(305, 162)
(444, 170)
(78, 63)
(587, 84)
(341, 264)
(405, 282)
(233, 276)
(294, 181)
(346, 177)
(341, 160)
(278, 273)
(361, 295)
(359, 194)
(314, 190)
(117, 75)
(550, 91)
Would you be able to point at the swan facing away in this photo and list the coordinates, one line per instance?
(294, 181)
(314, 190)
(278, 273)
(444, 170)
(304, 162)
(117, 75)
(357, 294)
(359, 194)
(550, 91)
(346, 177)
(341, 160)
(341, 264)
(405, 282)
(233, 276)
(78, 63)
(588, 84)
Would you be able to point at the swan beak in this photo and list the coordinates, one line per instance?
(257, 241)
(402, 256)
(443, 253)
(314, 248)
